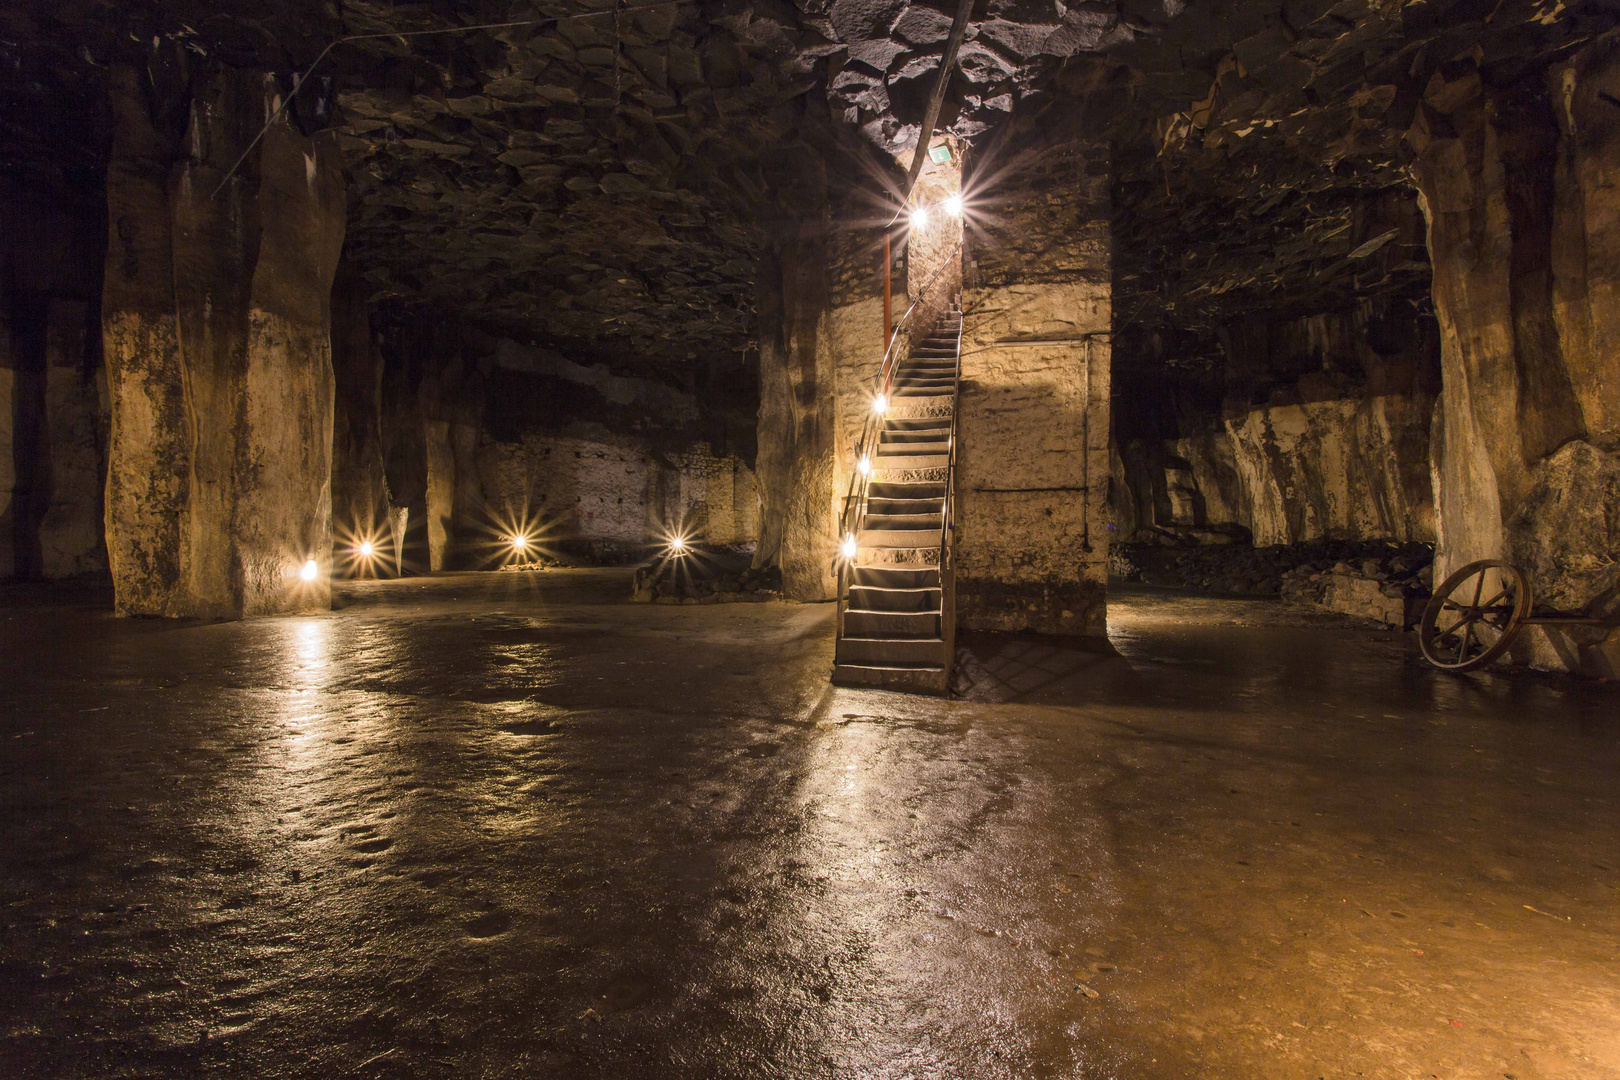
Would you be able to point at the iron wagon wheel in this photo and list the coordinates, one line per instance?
(1472, 617)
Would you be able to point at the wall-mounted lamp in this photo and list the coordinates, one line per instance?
(310, 571)
(849, 546)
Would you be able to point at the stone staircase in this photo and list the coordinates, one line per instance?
(896, 624)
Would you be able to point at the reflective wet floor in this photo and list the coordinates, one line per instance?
(509, 825)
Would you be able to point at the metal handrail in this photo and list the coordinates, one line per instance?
(884, 384)
(948, 508)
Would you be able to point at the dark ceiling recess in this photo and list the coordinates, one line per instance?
(605, 186)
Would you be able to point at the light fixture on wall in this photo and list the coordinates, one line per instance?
(519, 542)
(677, 546)
(310, 571)
(865, 465)
(919, 217)
(880, 404)
(365, 550)
(849, 546)
(953, 206)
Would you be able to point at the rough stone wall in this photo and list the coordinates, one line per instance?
(216, 328)
(1324, 436)
(1339, 469)
(1517, 187)
(1031, 488)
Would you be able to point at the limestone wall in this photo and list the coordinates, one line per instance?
(1033, 466)
(1322, 434)
(1341, 469)
(613, 492)
(1517, 188)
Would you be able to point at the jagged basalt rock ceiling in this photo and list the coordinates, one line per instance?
(605, 185)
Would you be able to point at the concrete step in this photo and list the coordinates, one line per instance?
(915, 678)
(909, 462)
(897, 558)
(909, 436)
(920, 398)
(939, 408)
(940, 382)
(892, 625)
(861, 650)
(890, 489)
(902, 522)
(904, 508)
(896, 577)
(908, 448)
(910, 425)
(877, 598)
(897, 538)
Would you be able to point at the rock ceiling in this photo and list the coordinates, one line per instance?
(604, 184)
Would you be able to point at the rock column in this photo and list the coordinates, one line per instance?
(1524, 230)
(217, 331)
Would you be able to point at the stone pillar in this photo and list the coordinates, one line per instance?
(149, 456)
(8, 465)
(796, 439)
(1524, 227)
(1033, 428)
(70, 534)
(216, 327)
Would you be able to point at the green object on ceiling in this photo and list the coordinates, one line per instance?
(940, 155)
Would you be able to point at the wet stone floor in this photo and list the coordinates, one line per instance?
(509, 825)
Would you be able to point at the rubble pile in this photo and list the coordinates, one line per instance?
(1386, 582)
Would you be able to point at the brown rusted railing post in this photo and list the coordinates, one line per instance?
(888, 272)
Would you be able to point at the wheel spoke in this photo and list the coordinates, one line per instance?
(1479, 589)
(1462, 647)
(1466, 620)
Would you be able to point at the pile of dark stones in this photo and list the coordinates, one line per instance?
(1297, 572)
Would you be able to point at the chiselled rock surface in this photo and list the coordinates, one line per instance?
(1526, 433)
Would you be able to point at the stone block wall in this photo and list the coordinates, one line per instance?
(614, 491)
(1033, 465)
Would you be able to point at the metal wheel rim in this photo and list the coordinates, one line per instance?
(1451, 628)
